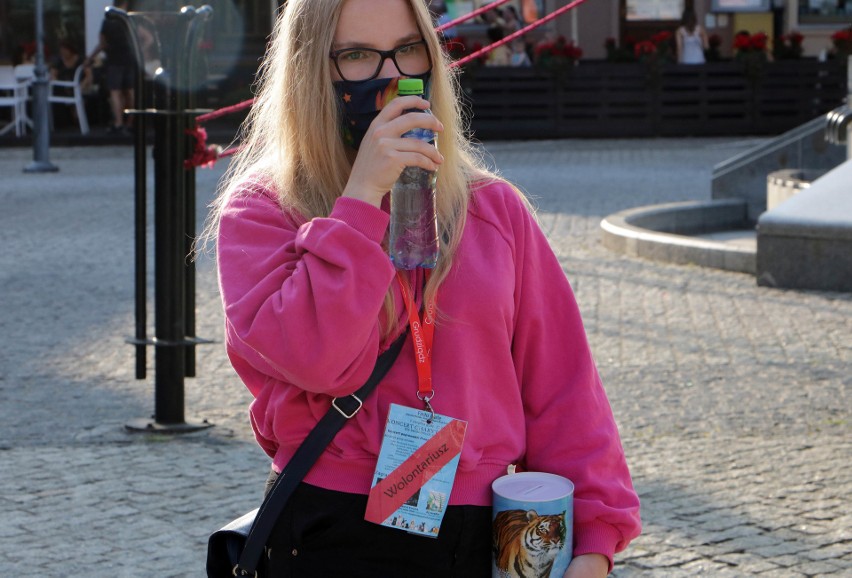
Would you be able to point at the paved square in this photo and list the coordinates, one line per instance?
(732, 399)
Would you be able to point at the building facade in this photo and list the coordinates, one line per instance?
(240, 27)
(595, 21)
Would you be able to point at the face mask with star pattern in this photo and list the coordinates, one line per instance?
(361, 103)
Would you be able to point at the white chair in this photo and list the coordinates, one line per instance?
(76, 98)
(26, 73)
(13, 95)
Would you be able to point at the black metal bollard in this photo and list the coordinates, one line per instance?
(174, 222)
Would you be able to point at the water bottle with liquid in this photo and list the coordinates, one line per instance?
(413, 222)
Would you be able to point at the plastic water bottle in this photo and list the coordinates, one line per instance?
(414, 222)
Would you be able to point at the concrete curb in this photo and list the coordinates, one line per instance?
(662, 233)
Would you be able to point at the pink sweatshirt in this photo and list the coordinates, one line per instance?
(303, 304)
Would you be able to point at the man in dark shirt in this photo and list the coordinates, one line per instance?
(120, 69)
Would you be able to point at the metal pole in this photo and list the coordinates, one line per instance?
(169, 281)
(140, 191)
(190, 87)
(140, 210)
(849, 103)
(575, 28)
(41, 129)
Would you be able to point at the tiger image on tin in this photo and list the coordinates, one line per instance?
(527, 544)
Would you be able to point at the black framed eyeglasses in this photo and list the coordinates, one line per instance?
(362, 64)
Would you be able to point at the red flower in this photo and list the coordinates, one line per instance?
(842, 36)
(759, 41)
(545, 51)
(543, 48)
(795, 37)
(661, 37)
(754, 43)
(573, 52)
(645, 47)
(842, 40)
(742, 42)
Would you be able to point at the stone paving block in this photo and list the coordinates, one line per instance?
(718, 523)
(782, 573)
(10, 531)
(788, 560)
(748, 563)
(821, 568)
(781, 549)
(833, 552)
(709, 568)
(724, 547)
(677, 557)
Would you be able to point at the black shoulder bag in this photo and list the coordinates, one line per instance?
(236, 549)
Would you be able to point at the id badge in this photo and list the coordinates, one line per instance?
(415, 471)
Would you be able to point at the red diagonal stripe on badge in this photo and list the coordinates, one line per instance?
(388, 495)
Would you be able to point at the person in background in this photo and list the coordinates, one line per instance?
(25, 53)
(443, 16)
(519, 56)
(63, 67)
(492, 17)
(311, 299)
(530, 10)
(511, 21)
(691, 40)
(120, 69)
(498, 56)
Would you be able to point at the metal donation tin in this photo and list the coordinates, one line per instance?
(533, 517)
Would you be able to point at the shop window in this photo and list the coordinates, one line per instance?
(63, 21)
(825, 11)
(743, 5)
(645, 10)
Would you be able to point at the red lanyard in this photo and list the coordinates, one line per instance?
(422, 336)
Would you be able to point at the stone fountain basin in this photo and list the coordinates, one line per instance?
(715, 233)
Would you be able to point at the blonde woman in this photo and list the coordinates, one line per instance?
(311, 299)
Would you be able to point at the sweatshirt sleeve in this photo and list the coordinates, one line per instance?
(302, 301)
(571, 430)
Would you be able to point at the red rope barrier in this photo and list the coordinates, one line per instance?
(513, 35)
(204, 155)
(230, 151)
(469, 15)
(223, 111)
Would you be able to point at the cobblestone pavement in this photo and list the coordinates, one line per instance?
(732, 399)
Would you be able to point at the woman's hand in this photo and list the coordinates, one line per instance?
(383, 153)
(588, 566)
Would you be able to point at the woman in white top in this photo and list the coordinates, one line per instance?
(691, 40)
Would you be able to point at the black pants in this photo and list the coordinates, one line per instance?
(323, 533)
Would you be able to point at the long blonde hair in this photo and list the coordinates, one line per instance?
(295, 112)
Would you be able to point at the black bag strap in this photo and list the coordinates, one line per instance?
(342, 409)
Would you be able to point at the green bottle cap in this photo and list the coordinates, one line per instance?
(409, 86)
